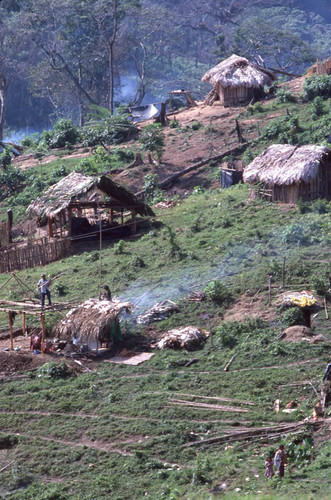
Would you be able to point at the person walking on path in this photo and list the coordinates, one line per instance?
(43, 285)
(280, 460)
(269, 470)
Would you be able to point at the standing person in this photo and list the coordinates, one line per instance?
(280, 460)
(269, 470)
(43, 285)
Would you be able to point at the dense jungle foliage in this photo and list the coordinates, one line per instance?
(59, 58)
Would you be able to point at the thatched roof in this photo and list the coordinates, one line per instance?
(238, 72)
(91, 321)
(284, 164)
(77, 186)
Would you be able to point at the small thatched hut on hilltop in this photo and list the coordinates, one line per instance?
(92, 323)
(77, 200)
(237, 81)
(292, 172)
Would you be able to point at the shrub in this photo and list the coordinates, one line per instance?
(173, 124)
(296, 234)
(64, 133)
(112, 130)
(11, 181)
(5, 159)
(317, 86)
(230, 332)
(284, 130)
(217, 292)
(55, 370)
(152, 139)
(319, 285)
(293, 316)
(317, 107)
(119, 247)
(284, 95)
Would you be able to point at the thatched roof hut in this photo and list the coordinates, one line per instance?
(92, 322)
(78, 186)
(292, 172)
(237, 81)
(78, 191)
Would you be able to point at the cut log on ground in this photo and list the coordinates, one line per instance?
(262, 432)
(166, 183)
(206, 406)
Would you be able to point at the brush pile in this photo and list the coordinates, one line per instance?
(158, 312)
(187, 337)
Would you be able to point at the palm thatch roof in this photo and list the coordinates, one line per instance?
(75, 187)
(284, 164)
(91, 321)
(237, 71)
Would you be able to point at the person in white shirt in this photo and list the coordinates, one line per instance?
(43, 285)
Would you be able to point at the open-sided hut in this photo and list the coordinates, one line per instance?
(237, 81)
(292, 172)
(77, 200)
(92, 323)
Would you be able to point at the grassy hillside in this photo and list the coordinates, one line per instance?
(119, 431)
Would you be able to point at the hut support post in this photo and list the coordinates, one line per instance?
(61, 223)
(69, 221)
(24, 323)
(134, 221)
(11, 323)
(50, 227)
(43, 331)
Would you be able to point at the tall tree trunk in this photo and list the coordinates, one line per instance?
(111, 57)
(2, 105)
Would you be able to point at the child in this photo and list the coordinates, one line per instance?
(269, 471)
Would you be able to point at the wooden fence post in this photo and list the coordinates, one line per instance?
(11, 323)
(269, 302)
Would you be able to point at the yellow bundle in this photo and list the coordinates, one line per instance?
(303, 301)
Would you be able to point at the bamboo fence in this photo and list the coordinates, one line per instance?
(38, 252)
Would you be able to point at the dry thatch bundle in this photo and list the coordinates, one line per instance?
(284, 164)
(238, 72)
(91, 322)
(158, 312)
(187, 337)
(76, 187)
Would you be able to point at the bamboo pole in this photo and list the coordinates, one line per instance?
(283, 272)
(11, 322)
(326, 309)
